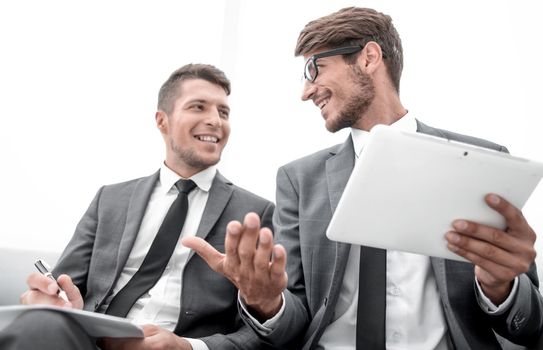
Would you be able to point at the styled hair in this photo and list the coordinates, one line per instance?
(355, 26)
(169, 91)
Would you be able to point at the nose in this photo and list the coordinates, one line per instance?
(308, 90)
(214, 119)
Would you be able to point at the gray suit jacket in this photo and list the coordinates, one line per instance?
(104, 237)
(308, 191)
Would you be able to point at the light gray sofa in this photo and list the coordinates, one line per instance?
(15, 266)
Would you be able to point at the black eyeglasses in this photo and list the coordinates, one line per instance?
(311, 70)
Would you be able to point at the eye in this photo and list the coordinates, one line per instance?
(224, 114)
(197, 107)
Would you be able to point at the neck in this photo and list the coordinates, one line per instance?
(182, 170)
(383, 110)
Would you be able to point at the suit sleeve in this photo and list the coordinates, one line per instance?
(75, 259)
(523, 323)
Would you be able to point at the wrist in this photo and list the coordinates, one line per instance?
(497, 293)
(183, 343)
(266, 309)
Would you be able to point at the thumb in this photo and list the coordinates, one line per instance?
(206, 251)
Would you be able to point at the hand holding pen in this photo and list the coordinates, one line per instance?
(45, 270)
(45, 289)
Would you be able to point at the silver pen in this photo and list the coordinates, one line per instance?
(45, 270)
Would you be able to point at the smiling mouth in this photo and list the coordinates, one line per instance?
(207, 138)
(323, 103)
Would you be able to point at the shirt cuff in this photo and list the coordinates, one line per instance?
(268, 325)
(197, 344)
(488, 306)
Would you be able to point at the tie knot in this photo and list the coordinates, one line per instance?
(185, 186)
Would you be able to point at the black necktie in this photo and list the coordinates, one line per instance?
(370, 318)
(158, 256)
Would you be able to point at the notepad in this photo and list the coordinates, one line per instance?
(95, 324)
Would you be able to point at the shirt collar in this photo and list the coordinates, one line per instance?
(203, 179)
(360, 137)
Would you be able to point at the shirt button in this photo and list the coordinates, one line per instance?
(396, 291)
(396, 336)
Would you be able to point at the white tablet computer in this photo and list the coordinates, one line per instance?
(407, 188)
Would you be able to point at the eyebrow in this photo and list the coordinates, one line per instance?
(204, 101)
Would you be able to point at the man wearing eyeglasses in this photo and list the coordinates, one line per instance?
(342, 296)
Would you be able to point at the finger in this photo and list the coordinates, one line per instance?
(206, 251)
(150, 329)
(44, 284)
(248, 239)
(263, 253)
(513, 216)
(278, 266)
(33, 296)
(485, 233)
(478, 251)
(231, 242)
(494, 272)
(71, 290)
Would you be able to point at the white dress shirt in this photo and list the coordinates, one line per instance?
(162, 304)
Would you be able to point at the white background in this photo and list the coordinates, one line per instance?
(79, 81)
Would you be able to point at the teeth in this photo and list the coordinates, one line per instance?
(323, 103)
(208, 138)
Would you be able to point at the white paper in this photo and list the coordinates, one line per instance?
(95, 324)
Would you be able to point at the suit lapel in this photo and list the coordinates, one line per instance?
(338, 170)
(134, 216)
(219, 195)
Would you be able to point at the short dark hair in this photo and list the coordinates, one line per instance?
(355, 26)
(169, 91)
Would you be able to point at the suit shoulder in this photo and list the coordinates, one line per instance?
(124, 184)
(249, 196)
(316, 158)
(476, 141)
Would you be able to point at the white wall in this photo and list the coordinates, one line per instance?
(78, 87)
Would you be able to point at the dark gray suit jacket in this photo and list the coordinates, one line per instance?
(308, 191)
(104, 237)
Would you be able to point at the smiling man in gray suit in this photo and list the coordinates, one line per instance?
(341, 296)
(189, 306)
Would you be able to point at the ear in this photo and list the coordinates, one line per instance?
(371, 57)
(161, 119)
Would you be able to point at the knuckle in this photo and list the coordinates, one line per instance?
(23, 298)
(489, 251)
(524, 265)
(532, 236)
(516, 215)
(245, 254)
(471, 227)
(475, 259)
(496, 236)
(532, 255)
(261, 264)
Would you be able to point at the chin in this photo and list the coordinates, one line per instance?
(206, 162)
(332, 126)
